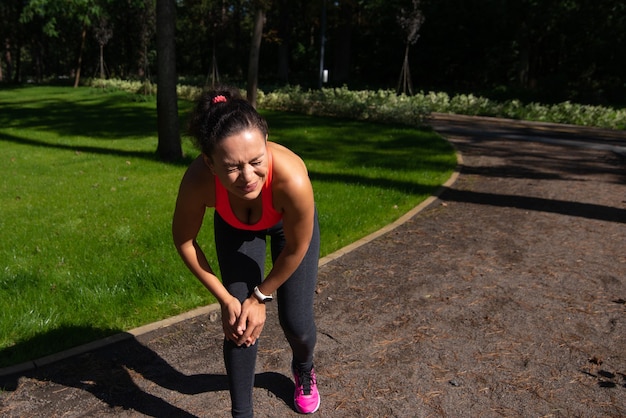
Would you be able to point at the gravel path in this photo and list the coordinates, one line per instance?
(504, 297)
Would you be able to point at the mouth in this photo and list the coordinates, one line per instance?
(248, 188)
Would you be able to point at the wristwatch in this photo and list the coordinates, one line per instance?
(260, 296)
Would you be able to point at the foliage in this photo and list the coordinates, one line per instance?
(381, 105)
(385, 106)
(411, 21)
(549, 51)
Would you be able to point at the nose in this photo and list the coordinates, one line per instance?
(247, 172)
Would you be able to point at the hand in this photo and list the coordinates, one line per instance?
(251, 321)
(231, 310)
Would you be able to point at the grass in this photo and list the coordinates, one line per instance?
(86, 208)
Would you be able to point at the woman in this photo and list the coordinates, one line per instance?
(258, 189)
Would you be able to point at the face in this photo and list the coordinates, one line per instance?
(240, 163)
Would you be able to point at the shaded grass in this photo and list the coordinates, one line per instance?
(365, 175)
(86, 208)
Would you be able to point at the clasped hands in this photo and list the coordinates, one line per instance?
(243, 322)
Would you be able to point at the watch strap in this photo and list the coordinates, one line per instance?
(260, 296)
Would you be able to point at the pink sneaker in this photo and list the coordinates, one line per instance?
(306, 397)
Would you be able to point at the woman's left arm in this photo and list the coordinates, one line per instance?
(297, 203)
(298, 220)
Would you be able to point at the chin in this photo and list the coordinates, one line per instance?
(250, 195)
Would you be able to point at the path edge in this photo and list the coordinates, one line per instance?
(205, 310)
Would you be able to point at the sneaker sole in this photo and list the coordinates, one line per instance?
(319, 401)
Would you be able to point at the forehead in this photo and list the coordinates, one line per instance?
(241, 147)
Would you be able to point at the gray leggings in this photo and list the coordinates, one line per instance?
(241, 256)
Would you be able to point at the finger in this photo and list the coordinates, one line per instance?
(233, 320)
(252, 340)
(241, 325)
(242, 321)
(243, 339)
(252, 334)
(230, 331)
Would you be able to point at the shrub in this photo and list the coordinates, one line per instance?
(387, 106)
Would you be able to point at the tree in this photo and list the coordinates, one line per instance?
(284, 43)
(255, 53)
(50, 12)
(529, 49)
(342, 35)
(103, 34)
(169, 147)
(10, 35)
(410, 22)
(146, 29)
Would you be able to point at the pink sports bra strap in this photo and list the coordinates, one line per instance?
(270, 216)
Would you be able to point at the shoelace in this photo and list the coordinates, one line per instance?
(306, 379)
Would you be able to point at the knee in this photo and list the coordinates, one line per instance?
(300, 332)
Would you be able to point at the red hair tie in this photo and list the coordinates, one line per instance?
(219, 99)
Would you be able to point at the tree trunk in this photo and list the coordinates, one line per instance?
(524, 57)
(102, 61)
(17, 74)
(169, 147)
(405, 83)
(343, 45)
(215, 74)
(255, 52)
(284, 47)
(83, 36)
(7, 58)
(322, 45)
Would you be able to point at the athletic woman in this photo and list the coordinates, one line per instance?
(259, 189)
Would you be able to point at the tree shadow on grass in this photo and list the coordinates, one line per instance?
(110, 374)
(146, 155)
(104, 116)
(383, 183)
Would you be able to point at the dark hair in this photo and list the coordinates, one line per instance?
(221, 113)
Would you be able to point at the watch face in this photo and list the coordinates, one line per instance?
(261, 297)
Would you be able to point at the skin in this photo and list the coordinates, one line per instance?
(240, 163)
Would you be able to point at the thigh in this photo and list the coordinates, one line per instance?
(295, 296)
(241, 257)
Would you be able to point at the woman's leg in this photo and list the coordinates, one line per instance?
(241, 256)
(295, 300)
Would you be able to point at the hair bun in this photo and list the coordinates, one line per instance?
(219, 99)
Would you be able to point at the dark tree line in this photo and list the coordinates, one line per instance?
(544, 50)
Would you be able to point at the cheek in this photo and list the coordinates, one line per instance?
(261, 171)
(226, 177)
(230, 178)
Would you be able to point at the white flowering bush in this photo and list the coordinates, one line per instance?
(387, 106)
(376, 105)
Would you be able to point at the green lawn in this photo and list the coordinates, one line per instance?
(86, 206)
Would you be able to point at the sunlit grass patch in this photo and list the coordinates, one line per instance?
(86, 208)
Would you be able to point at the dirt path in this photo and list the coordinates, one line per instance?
(505, 297)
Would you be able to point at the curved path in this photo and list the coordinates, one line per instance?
(505, 296)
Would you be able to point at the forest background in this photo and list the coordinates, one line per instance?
(532, 50)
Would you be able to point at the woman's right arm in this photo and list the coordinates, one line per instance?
(194, 195)
(195, 187)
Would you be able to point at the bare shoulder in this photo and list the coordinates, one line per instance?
(290, 178)
(287, 165)
(198, 184)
